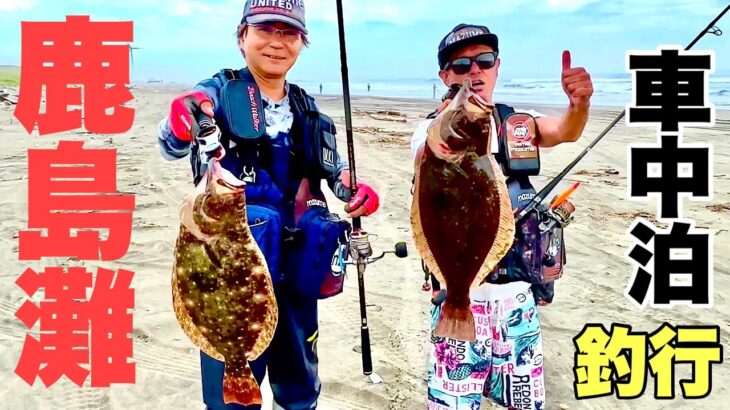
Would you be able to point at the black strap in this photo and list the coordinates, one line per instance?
(503, 110)
(230, 74)
(303, 99)
(500, 113)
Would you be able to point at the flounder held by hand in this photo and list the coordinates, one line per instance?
(461, 213)
(222, 291)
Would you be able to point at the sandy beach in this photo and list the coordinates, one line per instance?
(167, 364)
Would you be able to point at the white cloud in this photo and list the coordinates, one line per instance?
(603, 28)
(707, 8)
(189, 7)
(140, 7)
(411, 11)
(14, 5)
(667, 9)
(408, 12)
(569, 5)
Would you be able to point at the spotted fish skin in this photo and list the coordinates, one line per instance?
(222, 291)
(461, 213)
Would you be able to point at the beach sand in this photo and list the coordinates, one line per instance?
(167, 364)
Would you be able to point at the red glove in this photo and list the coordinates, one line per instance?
(365, 202)
(184, 110)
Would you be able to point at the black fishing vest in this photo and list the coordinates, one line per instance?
(313, 147)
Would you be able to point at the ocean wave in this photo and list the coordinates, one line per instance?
(522, 85)
(607, 91)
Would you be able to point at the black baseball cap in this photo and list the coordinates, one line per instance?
(465, 35)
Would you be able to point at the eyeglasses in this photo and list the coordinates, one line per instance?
(269, 31)
(462, 65)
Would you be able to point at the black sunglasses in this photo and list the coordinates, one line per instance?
(462, 65)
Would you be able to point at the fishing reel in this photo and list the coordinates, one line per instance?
(561, 215)
(360, 245)
(554, 219)
(208, 139)
(360, 250)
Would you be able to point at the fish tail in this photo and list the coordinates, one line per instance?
(242, 389)
(456, 323)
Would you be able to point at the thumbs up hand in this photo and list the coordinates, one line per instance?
(576, 82)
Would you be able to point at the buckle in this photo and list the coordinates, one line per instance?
(248, 176)
(338, 260)
(293, 237)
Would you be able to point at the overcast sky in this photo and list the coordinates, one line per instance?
(187, 40)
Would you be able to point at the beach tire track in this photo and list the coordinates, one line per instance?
(153, 356)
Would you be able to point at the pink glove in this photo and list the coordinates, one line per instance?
(183, 111)
(364, 203)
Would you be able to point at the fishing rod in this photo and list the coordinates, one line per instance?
(360, 249)
(544, 192)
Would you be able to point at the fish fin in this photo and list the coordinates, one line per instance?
(417, 229)
(272, 316)
(456, 323)
(243, 390)
(186, 322)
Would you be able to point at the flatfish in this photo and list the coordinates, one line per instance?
(223, 296)
(461, 212)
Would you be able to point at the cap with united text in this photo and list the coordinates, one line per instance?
(269, 11)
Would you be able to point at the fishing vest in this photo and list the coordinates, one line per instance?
(286, 209)
(308, 151)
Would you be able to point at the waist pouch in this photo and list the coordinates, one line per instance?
(323, 149)
(265, 225)
(535, 257)
(310, 264)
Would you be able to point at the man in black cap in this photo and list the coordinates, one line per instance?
(505, 363)
(277, 141)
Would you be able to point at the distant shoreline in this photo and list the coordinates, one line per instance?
(513, 103)
(426, 102)
(171, 86)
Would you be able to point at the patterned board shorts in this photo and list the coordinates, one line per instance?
(505, 363)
